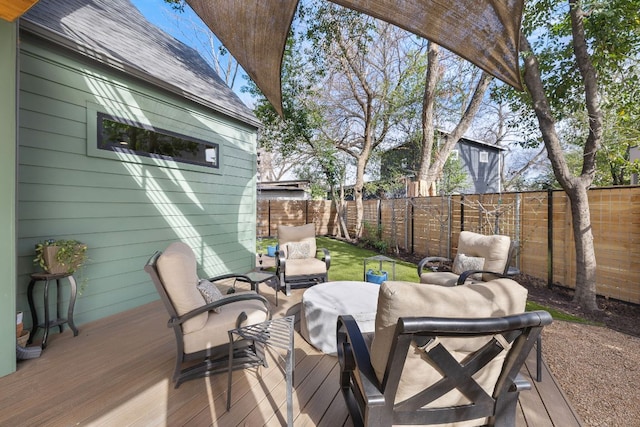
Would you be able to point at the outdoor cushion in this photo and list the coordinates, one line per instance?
(210, 292)
(302, 233)
(442, 278)
(177, 267)
(307, 266)
(495, 298)
(494, 249)
(298, 250)
(463, 263)
(215, 329)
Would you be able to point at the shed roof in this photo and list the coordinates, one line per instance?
(115, 33)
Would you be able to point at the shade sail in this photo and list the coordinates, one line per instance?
(484, 32)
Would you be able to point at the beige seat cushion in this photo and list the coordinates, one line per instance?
(297, 234)
(303, 267)
(177, 268)
(495, 298)
(494, 249)
(215, 330)
(442, 278)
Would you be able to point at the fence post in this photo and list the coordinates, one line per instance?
(462, 212)
(517, 230)
(449, 225)
(549, 238)
(268, 218)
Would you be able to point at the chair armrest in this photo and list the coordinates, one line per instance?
(466, 274)
(281, 262)
(243, 296)
(229, 276)
(426, 260)
(353, 355)
(326, 257)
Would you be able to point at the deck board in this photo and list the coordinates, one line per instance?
(117, 371)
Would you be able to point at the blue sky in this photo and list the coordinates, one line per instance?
(163, 16)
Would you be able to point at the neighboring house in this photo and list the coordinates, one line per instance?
(480, 160)
(126, 140)
(284, 190)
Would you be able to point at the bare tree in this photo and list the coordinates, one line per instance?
(433, 161)
(366, 64)
(575, 186)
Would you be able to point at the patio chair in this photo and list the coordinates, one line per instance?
(200, 327)
(459, 367)
(296, 260)
(479, 258)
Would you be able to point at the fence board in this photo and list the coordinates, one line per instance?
(430, 226)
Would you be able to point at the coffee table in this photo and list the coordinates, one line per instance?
(324, 302)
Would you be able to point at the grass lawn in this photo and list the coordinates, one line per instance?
(347, 263)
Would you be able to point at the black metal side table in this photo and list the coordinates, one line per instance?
(276, 333)
(257, 277)
(58, 321)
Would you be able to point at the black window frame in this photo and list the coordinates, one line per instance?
(100, 145)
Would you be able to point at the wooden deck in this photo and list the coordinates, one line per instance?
(117, 372)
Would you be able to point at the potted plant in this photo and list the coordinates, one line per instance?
(376, 276)
(60, 256)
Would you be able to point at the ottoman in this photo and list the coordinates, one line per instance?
(323, 303)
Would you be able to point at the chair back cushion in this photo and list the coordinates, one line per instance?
(177, 268)
(494, 249)
(495, 298)
(297, 234)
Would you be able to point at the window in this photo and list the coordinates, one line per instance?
(120, 135)
(484, 157)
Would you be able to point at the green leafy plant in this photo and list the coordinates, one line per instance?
(376, 272)
(371, 237)
(60, 256)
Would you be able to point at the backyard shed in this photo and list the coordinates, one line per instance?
(126, 140)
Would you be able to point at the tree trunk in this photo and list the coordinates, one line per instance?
(343, 231)
(428, 102)
(585, 253)
(431, 167)
(357, 196)
(575, 187)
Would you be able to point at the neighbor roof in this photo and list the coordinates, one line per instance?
(115, 33)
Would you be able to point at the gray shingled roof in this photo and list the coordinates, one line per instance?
(114, 32)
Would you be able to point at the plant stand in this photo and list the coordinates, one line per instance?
(58, 321)
(380, 259)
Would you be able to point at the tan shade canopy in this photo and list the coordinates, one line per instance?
(484, 32)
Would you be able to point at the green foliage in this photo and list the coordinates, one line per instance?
(559, 315)
(177, 5)
(612, 31)
(455, 178)
(372, 238)
(71, 254)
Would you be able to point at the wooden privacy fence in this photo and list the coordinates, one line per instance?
(539, 221)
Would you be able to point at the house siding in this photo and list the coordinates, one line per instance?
(484, 177)
(123, 208)
(8, 108)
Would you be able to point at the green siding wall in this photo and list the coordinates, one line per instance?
(8, 108)
(124, 207)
